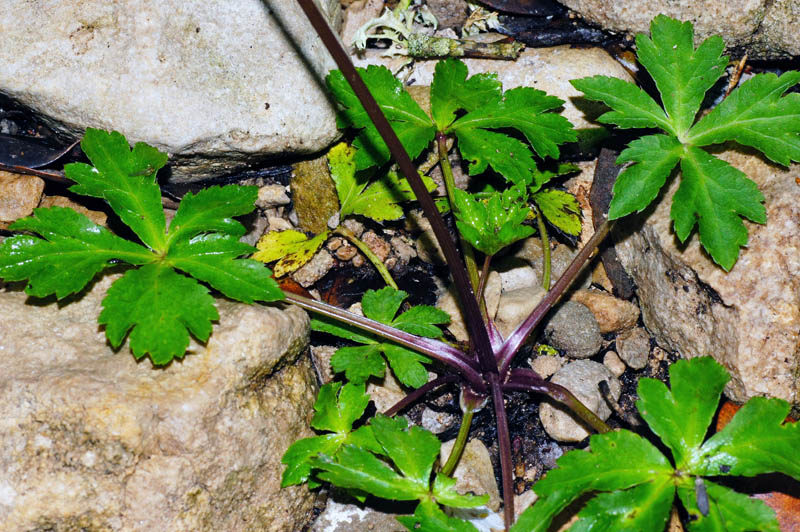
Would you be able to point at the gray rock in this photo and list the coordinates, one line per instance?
(474, 472)
(91, 439)
(581, 377)
(340, 515)
(747, 319)
(764, 27)
(615, 364)
(217, 84)
(573, 328)
(315, 269)
(515, 306)
(633, 347)
(612, 314)
(546, 365)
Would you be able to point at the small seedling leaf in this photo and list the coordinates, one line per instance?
(560, 209)
(491, 224)
(292, 249)
(452, 91)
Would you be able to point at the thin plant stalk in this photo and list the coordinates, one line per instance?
(521, 333)
(472, 314)
(460, 443)
(442, 352)
(412, 397)
(504, 448)
(449, 186)
(545, 240)
(371, 256)
(526, 380)
(482, 285)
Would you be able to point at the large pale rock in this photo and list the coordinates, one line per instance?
(765, 27)
(216, 84)
(19, 195)
(92, 440)
(747, 319)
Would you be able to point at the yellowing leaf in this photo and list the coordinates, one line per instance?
(293, 248)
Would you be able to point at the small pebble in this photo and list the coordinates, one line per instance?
(315, 269)
(272, 196)
(634, 347)
(546, 365)
(574, 329)
(379, 246)
(437, 422)
(612, 361)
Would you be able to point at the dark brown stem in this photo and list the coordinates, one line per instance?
(472, 315)
(526, 380)
(520, 334)
(504, 446)
(414, 396)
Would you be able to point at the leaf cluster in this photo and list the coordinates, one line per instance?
(637, 484)
(384, 459)
(159, 302)
(712, 194)
(361, 362)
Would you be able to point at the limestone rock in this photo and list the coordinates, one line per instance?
(91, 439)
(19, 195)
(547, 69)
(474, 472)
(342, 516)
(764, 27)
(572, 327)
(747, 319)
(515, 306)
(581, 377)
(216, 84)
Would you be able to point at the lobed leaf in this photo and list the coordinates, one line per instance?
(643, 507)
(494, 223)
(71, 252)
(631, 106)
(756, 115)
(444, 491)
(638, 185)
(160, 308)
(359, 363)
(681, 416)
(292, 249)
(728, 511)
(382, 305)
(715, 195)
(451, 91)
(756, 441)
(212, 210)
(213, 259)
(560, 209)
(413, 450)
(413, 127)
(508, 156)
(125, 178)
(422, 320)
(682, 73)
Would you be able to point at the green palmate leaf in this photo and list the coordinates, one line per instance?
(714, 195)
(160, 308)
(494, 223)
(632, 107)
(413, 450)
(293, 248)
(71, 252)
(125, 178)
(560, 209)
(638, 185)
(681, 416)
(643, 507)
(618, 460)
(430, 518)
(336, 409)
(507, 156)
(682, 73)
(212, 210)
(756, 441)
(361, 362)
(451, 91)
(523, 109)
(756, 115)
(727, 511)
(212, 258)
(413, 127)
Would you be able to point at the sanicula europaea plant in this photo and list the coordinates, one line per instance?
(483, 370)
